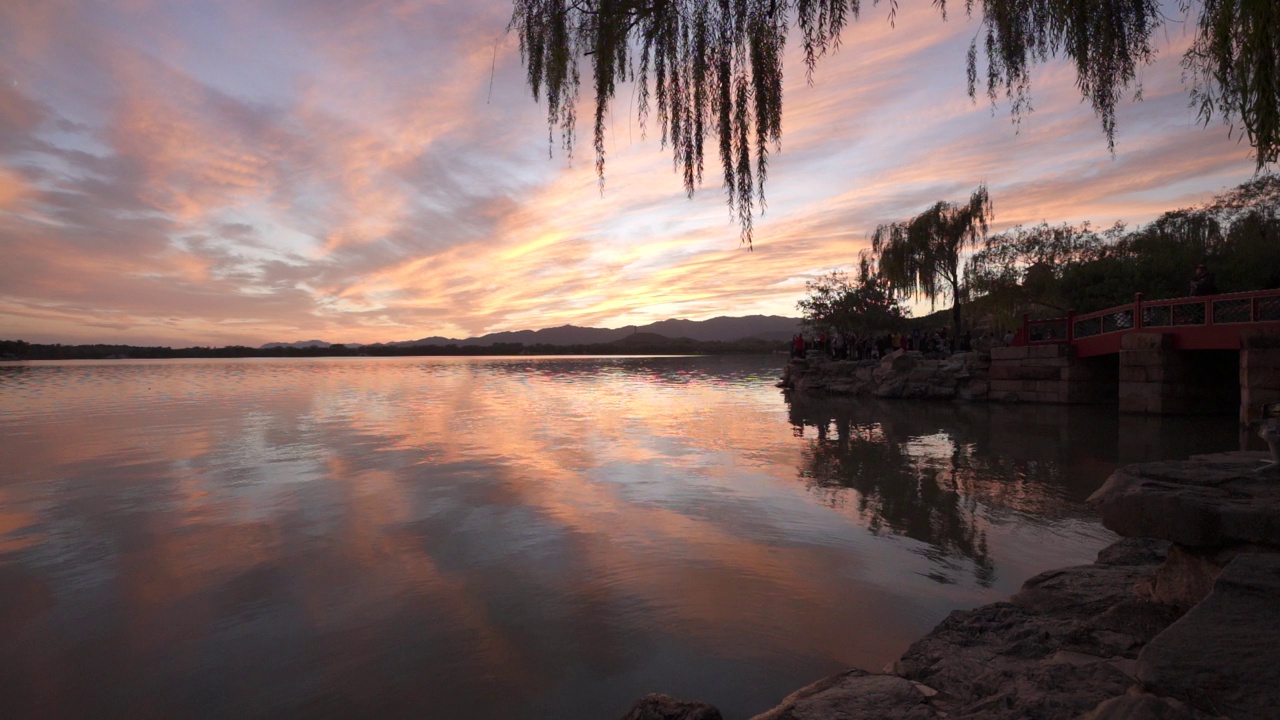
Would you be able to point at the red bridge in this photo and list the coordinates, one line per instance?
(1209, 322)
(1183, 355)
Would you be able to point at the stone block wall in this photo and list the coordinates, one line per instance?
(1047, 374)
(1157, 379)
(901, 374)
(1259, 374)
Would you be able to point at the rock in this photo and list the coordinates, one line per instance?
(890, 389)
(900, 374)
(1134, 551)
(1224, 655)
(1142, 706)
(842, 388)
(1066, 642)
(1000, 661)
(922, 374)
(855, 694)
(1084, 591)
(655, 706)
(899, 362)
(1186, 577)
(1130, 624)
(940, 392)
(925, 690)
(914, 391)
(1209, 500)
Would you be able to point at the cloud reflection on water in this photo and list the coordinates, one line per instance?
(487, 537)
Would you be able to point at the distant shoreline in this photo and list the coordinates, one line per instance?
(652, 346)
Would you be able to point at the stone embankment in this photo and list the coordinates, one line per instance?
(1039, 374)
(1180, 620)
(900, 374)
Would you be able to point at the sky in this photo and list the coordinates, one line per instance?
(250, 171)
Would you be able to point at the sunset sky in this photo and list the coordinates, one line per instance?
(246, 171)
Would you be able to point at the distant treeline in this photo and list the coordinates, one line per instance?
(20, 350)
(1237, 235)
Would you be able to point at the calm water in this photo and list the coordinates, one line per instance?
(497, 538)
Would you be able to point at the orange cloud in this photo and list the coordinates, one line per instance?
(378, 189)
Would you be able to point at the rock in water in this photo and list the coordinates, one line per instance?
(655, 706)
(1207, 501)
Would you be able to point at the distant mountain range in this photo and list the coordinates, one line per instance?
(718, 329)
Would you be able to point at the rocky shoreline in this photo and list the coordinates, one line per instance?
(1179, 620)
(901, 374)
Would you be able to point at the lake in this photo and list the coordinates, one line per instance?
(507, 537)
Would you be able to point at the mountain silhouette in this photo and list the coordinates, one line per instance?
(717, 329)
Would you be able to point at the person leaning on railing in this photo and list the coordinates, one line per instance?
(1202, 282)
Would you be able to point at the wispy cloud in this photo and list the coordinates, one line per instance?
(246, 172)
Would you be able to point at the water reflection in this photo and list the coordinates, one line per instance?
(486, 538)
(920, 487)
(942, 474)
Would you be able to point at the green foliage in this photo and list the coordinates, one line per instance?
(714, 68)
(823, 307)
(1237, 234)
(1024, 265)
(1234, 65)
(14, 350)
(864, 304)
(921, 256)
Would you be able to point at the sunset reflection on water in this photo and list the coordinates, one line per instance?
(491, 537)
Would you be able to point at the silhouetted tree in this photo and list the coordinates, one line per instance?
(1024, 265)
(921, 256)
(864, 303)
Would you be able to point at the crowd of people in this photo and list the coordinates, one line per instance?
(872, 346)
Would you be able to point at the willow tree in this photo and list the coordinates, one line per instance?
(920, 257)
(713, 68)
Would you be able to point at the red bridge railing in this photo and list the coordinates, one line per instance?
(1209, 321)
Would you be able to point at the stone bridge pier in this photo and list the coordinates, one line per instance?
(1050, 374)
(1259, 374)
(1151, 375)
(1157, 379)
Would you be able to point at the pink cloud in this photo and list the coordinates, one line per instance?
(241, 171)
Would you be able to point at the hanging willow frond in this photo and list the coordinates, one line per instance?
(708, 69)
(713, 68)
(1234, 67)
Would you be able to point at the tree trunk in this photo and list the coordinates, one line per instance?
(955, 314)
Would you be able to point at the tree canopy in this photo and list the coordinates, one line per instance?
(863, 304)
(1075, 267)
(921, 256)
(713, 68)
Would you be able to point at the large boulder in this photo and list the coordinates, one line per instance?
(655, 706)
(1224, 655)
(1143, 706)
(1065, 643)
(856, 694)
(1207, 501)
(898, 362)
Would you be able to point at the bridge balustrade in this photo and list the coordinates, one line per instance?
(1098, 332)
